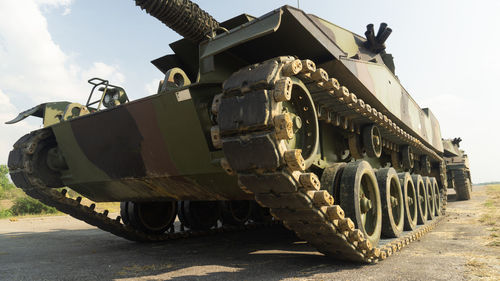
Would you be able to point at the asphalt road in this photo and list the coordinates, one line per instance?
(62, 248)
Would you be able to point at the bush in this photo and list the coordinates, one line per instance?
(5, 213)
(30, 206)
(7, 189)
(5, 183)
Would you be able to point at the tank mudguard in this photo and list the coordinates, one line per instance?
(53, 112)
(50, 112)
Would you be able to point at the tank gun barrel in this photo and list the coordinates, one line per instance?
(183, 16)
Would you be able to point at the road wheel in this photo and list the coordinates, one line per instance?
(431, 198)
(392, 202)
(199, 215)
(421, 199)
(236, 212)
(360, 199)
(150, 217)
(438, 200)
(410, 200)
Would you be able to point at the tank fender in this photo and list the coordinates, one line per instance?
(51, 113)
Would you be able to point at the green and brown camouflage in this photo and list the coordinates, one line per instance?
(160, 146)
(276, 116)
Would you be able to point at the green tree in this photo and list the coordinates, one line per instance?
(5, 183)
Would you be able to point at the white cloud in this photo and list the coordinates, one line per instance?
(9, 134)
(51, 4)
(104, 71)
(54, 3)
(6, 107)
(66, 11)
(34, 69)
(152, 87)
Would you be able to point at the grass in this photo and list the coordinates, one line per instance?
(478, 268)
(14, 202)
(495, 243)
(491, 216)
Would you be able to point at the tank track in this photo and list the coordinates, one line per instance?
(463, 186)
(21, 171)
(255, 152)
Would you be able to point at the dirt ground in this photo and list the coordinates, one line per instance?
(463, 247)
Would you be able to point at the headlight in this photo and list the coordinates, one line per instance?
(114, 97)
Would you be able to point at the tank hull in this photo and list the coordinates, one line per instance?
(338, 51)
(150, 149)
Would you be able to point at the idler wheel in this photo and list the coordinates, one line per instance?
(236, 212)
(199, 215)
(407, 157)
(150, 217)
(42, 168)
(372, 141)
(300, 108)
(410, 200)
(391, 197)
(437, 195)
(431, 198)
(360, 199)
(421, 198)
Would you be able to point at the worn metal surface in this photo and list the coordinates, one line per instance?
(294, 196)
(34, 184)
(232, 123)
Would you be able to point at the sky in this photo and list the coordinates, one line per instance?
(446, 56)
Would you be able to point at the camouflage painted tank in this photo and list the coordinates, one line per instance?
(286, 117)
(457, 168)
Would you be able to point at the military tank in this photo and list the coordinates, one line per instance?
(457, 168)
(281, 118)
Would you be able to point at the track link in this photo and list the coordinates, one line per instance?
(21, 167)
(463, 186)
(255, 150)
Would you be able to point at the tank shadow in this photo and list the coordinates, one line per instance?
(263, 254)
